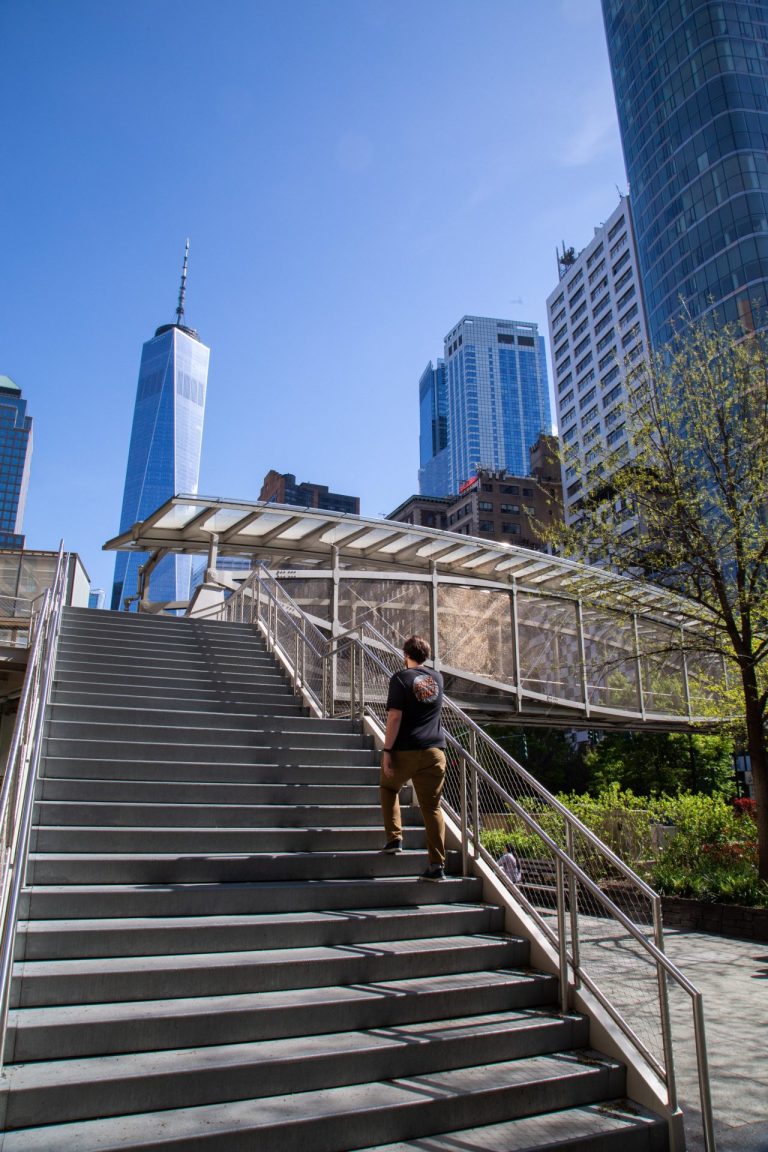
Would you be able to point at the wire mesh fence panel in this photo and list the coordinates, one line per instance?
(661, 659)
(705, 681)
(313, 596)
(474, 629)
(396, 608)
(548, 640)
(611, 669)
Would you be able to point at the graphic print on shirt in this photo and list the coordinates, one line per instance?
(425, 689)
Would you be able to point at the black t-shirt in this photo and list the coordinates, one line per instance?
(418, 694)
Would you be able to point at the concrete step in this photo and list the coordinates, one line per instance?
(61, 1091)
(210, 840)
(71, 673)
(134, 718)
(167, 697)
(124, 643)
(331, 1119)
(613, 1124)
(339, 897)
(224, 868)
(278, 732)
(156, 936)
(162, 664)
(106, 980)
(110, 816)
(153, 790)
(77, 1031)
(286, 752)
(292, 770)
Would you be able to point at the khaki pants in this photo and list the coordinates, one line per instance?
(425, 767)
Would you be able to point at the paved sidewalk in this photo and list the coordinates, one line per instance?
(733, 978)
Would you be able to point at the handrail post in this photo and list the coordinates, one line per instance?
(573, 905)
(361, 687)
(464, 828)
(666, 1025)
(562, 944)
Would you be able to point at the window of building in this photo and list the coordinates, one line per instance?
(487, 487)
(603, 322)
(630, 315)
(486, 525)
(561, 350)
(527, 491)
(510, 529)
(598, 306)
(588, 417)
(615, 435)
(583, 363)
(625, 298)
(595, 255)
(505, 338)
(526, 341)
(485, 506)
(510, 489)
(616, 229)
(620, 263)
(587, 398)
(579, 312)
(618, 245)
(622, 280)
(579, 276)
(562, 367)
(510, 509)
(604, 361)
(596, 272)
(580, 347)
(564, 382)
(600, 287)
(606, 340)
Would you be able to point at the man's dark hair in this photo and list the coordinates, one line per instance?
(417, 648)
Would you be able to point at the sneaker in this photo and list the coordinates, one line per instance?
(434, 873)
(392, 847)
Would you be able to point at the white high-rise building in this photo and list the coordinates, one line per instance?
(597, 333)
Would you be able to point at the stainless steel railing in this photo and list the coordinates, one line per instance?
(18, 788)
(601, 918)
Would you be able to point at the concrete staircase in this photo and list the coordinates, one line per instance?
(214, 954)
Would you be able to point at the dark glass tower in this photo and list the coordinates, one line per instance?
(164, 454)
(15, 458)
(691, 84)
(434, 458)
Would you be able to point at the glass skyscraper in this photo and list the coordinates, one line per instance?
(434, 457)
(164, 453)
(497, 402)
(691, 84)
(15, 458)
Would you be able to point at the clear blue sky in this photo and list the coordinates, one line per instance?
(354, 176)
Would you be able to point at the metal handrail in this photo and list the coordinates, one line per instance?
(277, 613)
(18, 790)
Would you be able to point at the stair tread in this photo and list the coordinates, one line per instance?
(258, 920)
(369, 1102)
(105, 966)
(281, 999)
(571, 1128)
(77, 1071)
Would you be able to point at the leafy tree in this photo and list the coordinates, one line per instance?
(654, 762)
(694, 476)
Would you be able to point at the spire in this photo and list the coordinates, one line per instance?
(182, 287)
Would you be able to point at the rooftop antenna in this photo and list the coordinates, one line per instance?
(182, 287)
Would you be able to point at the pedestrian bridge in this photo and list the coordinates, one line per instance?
(516, 633)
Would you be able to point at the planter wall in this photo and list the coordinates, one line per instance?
(722, 919)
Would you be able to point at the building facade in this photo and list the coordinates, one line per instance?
(496, 395)
(281, 488)
(15, 460)
(497, 505)
(434, 455)
(597, 333)
(164, 452)
(691, 85)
